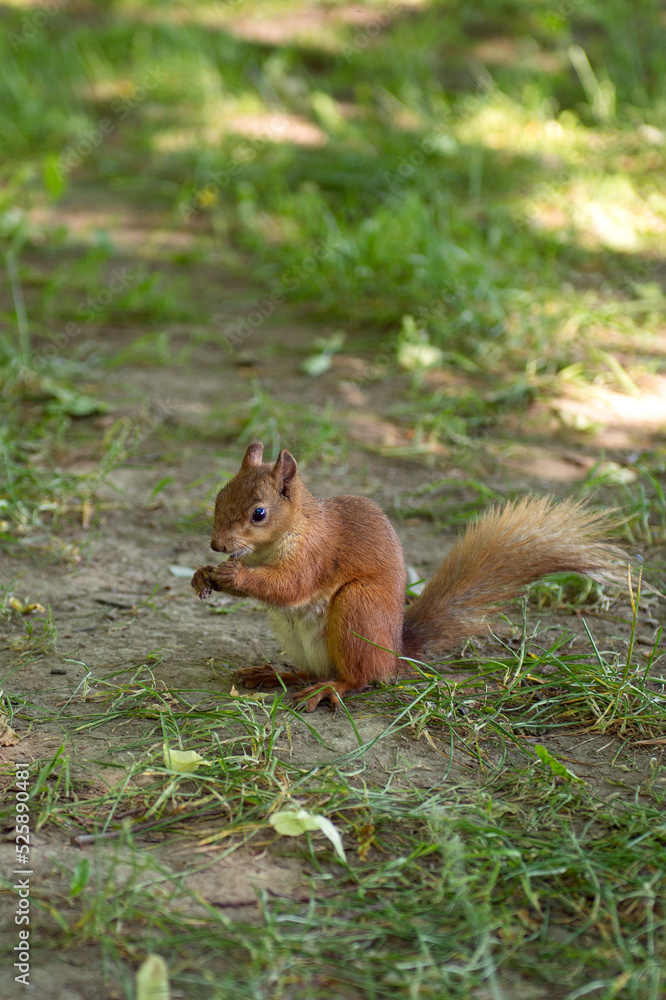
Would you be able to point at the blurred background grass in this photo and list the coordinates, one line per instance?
(476, 188)
(462, 158)
(475, 196)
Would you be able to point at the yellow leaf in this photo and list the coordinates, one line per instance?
(292, 822)
(183, 761)
(152, 980)
(23, 609)
(87, 511)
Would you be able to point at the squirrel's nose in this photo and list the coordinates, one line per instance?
(216, 547)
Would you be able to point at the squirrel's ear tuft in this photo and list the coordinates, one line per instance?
(253, 455)
(285, 471)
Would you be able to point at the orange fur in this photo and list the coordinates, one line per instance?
(499, 554)
(332, 573)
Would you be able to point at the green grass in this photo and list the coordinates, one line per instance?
(522, 868)
(503, 212)
(431, 199)
(307, 431)
(488, 191)
(45, 399)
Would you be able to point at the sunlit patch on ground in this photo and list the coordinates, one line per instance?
(602, 212)
(277, 127)
(319, 25)
(498, 122)
(552, 469)
(615, 419)
(422, 246)
(145, 236)
(324, 27)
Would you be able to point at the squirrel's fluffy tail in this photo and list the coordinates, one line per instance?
(495, 558)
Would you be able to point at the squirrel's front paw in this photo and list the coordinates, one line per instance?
(225, 576)
(201, 582)
(209, 578)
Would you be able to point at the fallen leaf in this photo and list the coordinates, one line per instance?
(152, 979)
(292, 822)
(183, 761)
(183, 571)
(87, 511)
(7, 735)
(24, 609)
(556, 766)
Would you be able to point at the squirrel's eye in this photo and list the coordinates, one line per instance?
(259, 514)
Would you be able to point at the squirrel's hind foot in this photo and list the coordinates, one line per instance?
(266, 677)
(331, 691)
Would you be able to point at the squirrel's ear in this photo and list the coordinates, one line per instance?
(285, 471)
(253, 455)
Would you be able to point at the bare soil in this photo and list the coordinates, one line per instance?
(116, 603)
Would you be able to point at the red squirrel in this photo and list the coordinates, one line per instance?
(332, 574)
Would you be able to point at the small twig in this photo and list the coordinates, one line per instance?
(114, 604)
(91, 838)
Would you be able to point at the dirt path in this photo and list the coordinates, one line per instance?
(118, 606)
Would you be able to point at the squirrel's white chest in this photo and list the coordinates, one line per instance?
(301, 633)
